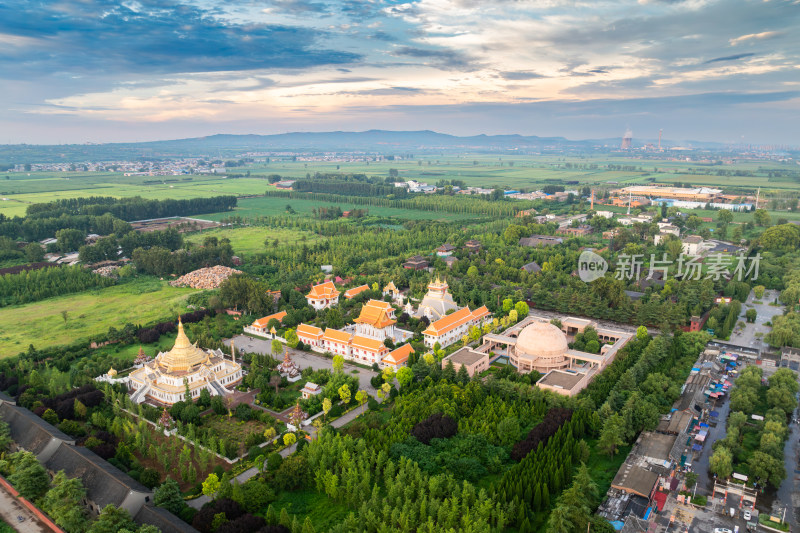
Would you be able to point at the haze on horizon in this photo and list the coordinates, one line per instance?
(74, 71)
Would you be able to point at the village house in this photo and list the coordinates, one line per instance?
(692, 245)
(580, 231)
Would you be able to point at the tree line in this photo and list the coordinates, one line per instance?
(35, 285)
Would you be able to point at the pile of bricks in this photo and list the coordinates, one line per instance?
(205, 278)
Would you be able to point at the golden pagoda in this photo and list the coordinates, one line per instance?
(183, 355)
(164, 380)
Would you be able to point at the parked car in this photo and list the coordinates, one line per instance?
(746, 515)
(722, 530)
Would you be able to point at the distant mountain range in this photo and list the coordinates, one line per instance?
(372, 141)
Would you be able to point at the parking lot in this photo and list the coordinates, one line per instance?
(303, 359)
(752, 334)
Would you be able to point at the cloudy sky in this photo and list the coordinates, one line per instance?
(76, 71)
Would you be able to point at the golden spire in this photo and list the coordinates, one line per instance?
(183, 354)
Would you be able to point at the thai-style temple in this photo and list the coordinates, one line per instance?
(164, 380)
(437, 302)
(323, 296)
(141, 358)
(289, 368)
(364, 341)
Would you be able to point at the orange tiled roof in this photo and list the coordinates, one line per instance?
(308, 330)
(336, 336)
(400, 355)
(448, 322)
(262, 322)
(350, 293)
(373, 345)
(376, 313)
(480, 312)
(323, 290)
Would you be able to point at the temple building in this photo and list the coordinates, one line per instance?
(164, 380)
(391, 290)
(289, 368)
(376, 320)
(141, 358)
(437, 302)
(535, 344)
(452, 328)
(362, 341)
(261, 326)
(323, 296)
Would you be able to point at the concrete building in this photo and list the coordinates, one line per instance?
(474, 362)
(699, 194)
(692, 245)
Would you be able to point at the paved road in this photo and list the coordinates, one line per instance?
(705, 481)
(789, 491)
(11, 508)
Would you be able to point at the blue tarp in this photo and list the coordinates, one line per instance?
(697, 447)
(617, 525)
(647, 514)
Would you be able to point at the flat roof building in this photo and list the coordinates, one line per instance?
(475, 362)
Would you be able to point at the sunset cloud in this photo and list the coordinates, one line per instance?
(200, 67)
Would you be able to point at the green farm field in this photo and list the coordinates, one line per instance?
(139, 301)
(17, 194)
(18, 190)
(266, 206)
(250, 240)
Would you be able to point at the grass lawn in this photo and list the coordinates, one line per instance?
(40, 323)
(250, 240)
(324, 512)
(5, 528)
